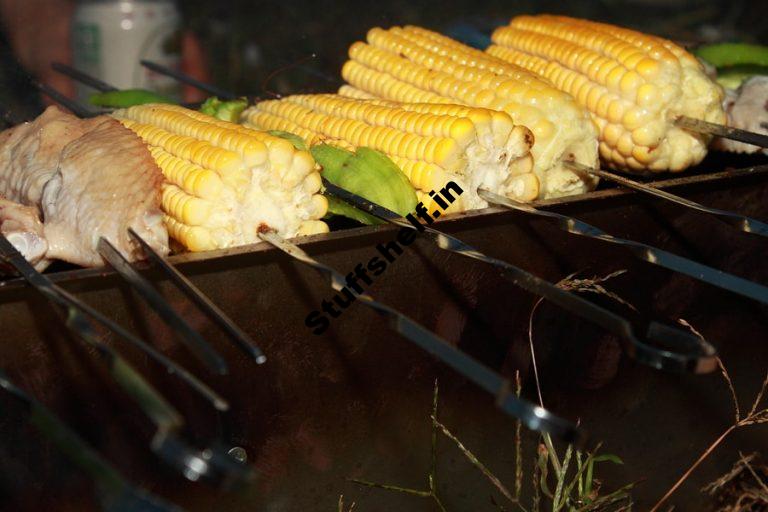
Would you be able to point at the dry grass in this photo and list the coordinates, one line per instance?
(754, 416)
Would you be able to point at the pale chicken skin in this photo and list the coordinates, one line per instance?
(84, 179)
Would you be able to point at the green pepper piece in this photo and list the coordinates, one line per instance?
(733, 76)
(731, 54)
(127, 98)
(210, 106)
(369, 174)
(294, 139)
(224, 110)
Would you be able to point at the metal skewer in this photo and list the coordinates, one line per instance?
(76, 308)
(212, 463)
(240, 338)
(84, 78)
(643, 251)
(188, 335)
(742, 222)
(533, 416)
(184, 78)
(726, 132)
(689, 353)
(115, 493)
(76, 108)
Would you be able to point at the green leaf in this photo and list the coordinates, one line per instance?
(608, 457)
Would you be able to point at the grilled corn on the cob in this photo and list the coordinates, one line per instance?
(432, 143)
(225, 182)
(632, 83)
(411, 64)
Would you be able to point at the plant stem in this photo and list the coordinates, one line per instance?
(693, 467)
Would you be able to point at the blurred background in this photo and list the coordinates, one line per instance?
(266, 48)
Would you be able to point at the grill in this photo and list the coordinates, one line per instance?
(354, 403)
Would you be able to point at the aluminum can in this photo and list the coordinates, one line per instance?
(110, 37)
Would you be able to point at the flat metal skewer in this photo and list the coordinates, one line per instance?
(76, 108)
(643, 251)
(186, 333)
(211, 463)
(114, 492)
(720, 130)
(533, 416)
(186, 79)
(690, 353)
(76, 308)
(737, 220)
(235, 333)
(82, 77)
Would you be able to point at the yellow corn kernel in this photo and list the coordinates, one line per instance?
(194, 180)
(194, 238)
(191, 210)
(176, 120)
(414, 65)
(199, 152)
(641, 80)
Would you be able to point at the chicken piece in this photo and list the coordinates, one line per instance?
(747, 109)
(22, 227)
(29, 154)
(85, 179)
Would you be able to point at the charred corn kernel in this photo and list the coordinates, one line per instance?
(632, 82)
(431, 143)
(415, 65)
(225, 182)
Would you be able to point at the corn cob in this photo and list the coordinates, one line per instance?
(633, 85)
(432, 144)
(414, 65)
(225, 182)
